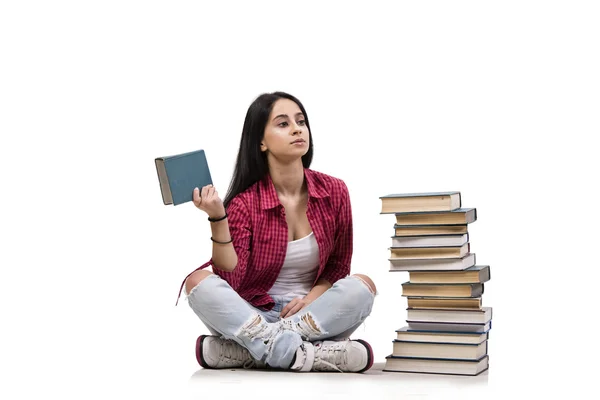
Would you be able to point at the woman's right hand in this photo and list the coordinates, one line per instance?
(208, 200)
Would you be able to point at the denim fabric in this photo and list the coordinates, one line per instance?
(335, 315)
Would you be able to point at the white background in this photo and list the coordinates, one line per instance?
(499, 100)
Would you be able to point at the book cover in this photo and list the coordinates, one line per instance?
(481, 316)
(474, 274)
(429, 201)
(446, 327)
(179, 174)
(440, 337)
(442, 289)
(458, 216)
(430, 252)
(430, 240)
(455, 351)
(451, 303)
(429, 230)
(432, 264)
(436, 366)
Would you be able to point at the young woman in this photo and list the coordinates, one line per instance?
(280, 294)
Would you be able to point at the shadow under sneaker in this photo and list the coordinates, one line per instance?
(330, 355)
(214, 352)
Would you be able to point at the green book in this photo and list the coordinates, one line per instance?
(179, 174)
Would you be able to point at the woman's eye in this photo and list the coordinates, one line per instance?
(283, 124)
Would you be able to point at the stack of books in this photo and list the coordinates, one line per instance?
(447, 328)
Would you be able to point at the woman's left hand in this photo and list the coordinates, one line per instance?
(294, 306)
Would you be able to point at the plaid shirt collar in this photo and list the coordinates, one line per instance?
(268, 195)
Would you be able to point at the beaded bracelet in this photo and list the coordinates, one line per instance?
(216, 241)
(217, 219)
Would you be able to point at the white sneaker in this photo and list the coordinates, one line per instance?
(214, 352)
(342, 356)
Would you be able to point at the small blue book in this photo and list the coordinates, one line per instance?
(179, 174)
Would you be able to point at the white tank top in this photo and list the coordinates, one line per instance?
(299, 268)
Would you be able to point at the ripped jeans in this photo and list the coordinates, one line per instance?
(334, 315)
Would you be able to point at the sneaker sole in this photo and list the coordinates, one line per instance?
(199, 357)
(369, 355)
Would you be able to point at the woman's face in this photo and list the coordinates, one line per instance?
(286, 135)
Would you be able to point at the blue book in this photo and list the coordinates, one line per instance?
(179, 174)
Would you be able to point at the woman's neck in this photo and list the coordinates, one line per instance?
(288, 179)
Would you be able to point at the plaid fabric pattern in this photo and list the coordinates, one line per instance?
(260, 235)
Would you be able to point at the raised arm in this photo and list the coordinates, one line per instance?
(224, 256)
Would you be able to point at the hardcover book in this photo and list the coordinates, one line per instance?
(429, 252)
(436, 366)
(460, 216)
(452, 303)
(430, 240)
(454, 351)
(442, 289)
(448, 327)
(432, 201)
(407, 335)
(481, 316)
(422, 230)
(432, 264)
(474, 274)
(179, 174)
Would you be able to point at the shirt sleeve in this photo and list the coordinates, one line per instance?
(338, 264)
(238, 218)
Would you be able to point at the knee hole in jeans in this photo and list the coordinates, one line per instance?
(195, 278)
(367, 281)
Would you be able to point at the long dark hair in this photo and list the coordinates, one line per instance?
(251, 164)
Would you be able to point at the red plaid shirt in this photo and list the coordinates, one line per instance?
(260, 235)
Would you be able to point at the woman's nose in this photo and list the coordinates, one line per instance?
(296, 128)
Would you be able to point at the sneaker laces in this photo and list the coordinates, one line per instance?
(330, 356)
(232, 351)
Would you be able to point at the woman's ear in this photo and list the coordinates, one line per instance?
(263, 147)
